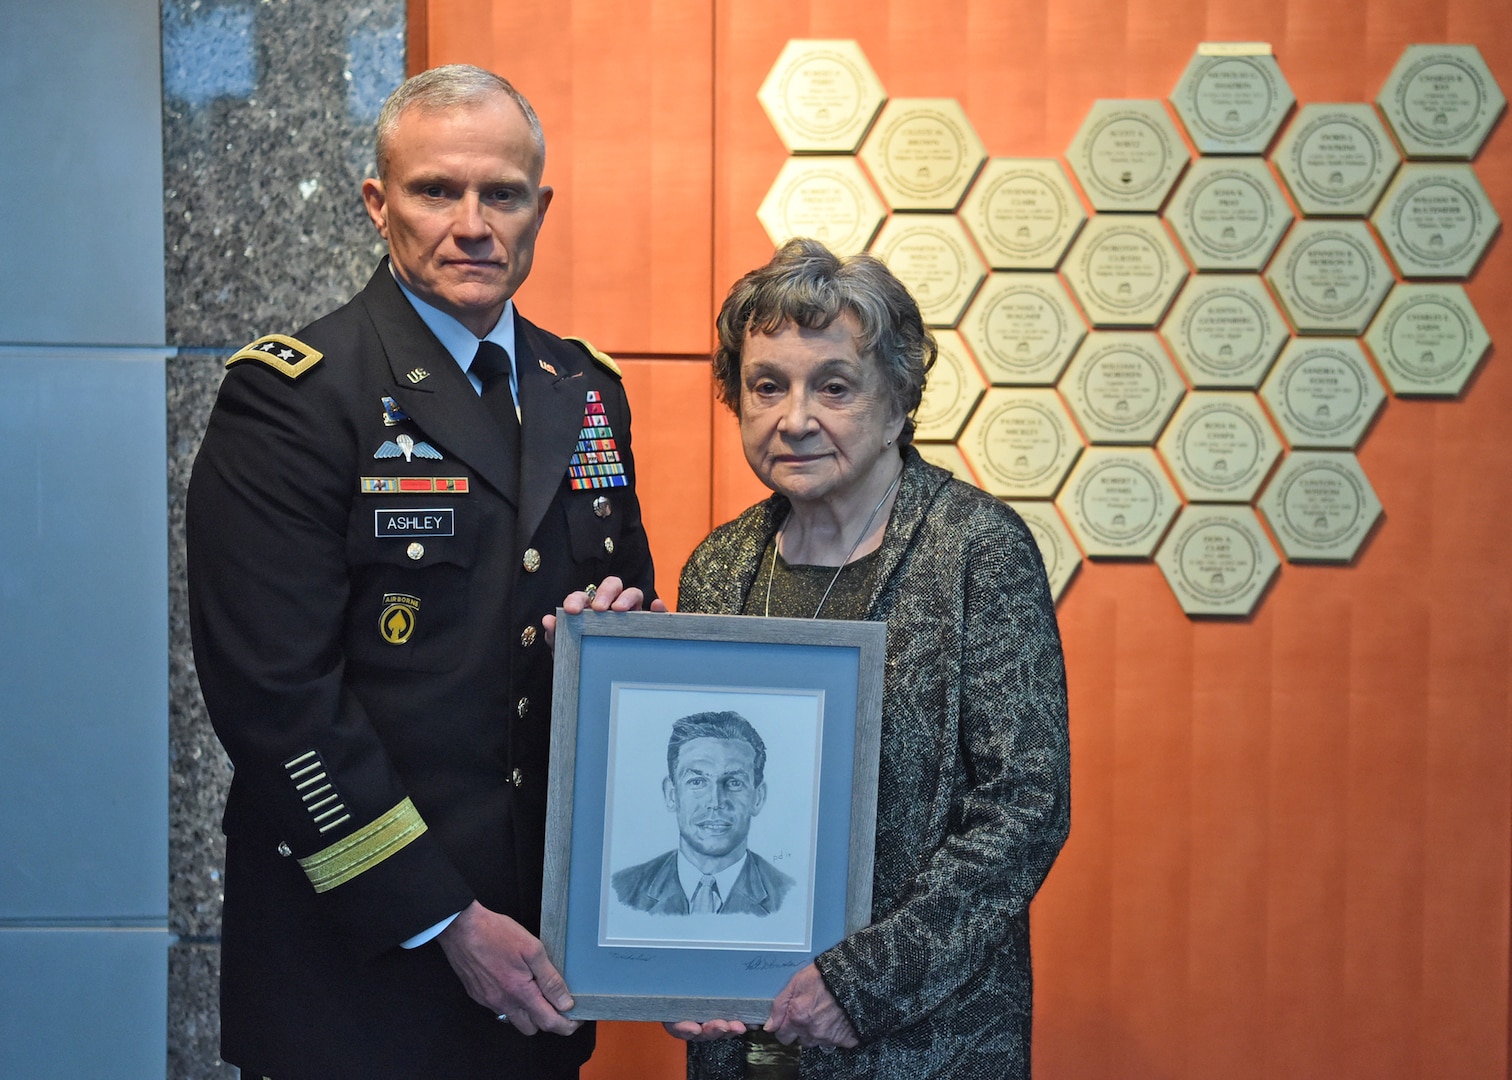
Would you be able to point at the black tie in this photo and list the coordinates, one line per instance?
(491, 365)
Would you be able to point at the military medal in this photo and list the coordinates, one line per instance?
(595, 463)
(392, 485)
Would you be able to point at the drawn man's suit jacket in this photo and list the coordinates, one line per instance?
(653, 886)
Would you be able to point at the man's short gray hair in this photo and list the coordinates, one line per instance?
(808, 285)
(447, 87)
(715, 725)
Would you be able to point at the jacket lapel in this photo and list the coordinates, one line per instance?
(551, 416)
(441, 400)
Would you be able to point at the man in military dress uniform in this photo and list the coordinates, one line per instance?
(385, 506)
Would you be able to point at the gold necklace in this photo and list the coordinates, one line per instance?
(865, 529)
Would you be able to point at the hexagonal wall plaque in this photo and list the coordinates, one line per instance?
(1122, 386)
(953, 389)
(1441, 101)
(1428, 340)
(1056, 547)
(1320, 506)
(827, 198)
(1119, 502)
(1436, 221)
(931, 254)
(1336, 159)
(1127, 154)
(1023, 328)
(1217, 560)
(1224, 331)
(1021, 443)
(1323, 393)
(1331, 276)
(1229, 213)
(923, 153)
(1023, 213)
(1124, 269)
(821, 96)
(1232, 97)
(1220, 446)
(948, 457)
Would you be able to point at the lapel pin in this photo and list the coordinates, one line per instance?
(392, 413)
(419, 374)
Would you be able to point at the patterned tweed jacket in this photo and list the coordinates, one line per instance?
(974, 789)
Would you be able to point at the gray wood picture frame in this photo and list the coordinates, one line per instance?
(837, 663)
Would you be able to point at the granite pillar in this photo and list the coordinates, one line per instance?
(268, 113)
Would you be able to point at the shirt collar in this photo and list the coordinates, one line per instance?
(458, 339)
(688, 876)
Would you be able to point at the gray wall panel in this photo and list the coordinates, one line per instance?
(80, 1004)
(81, 173)
(83, 679)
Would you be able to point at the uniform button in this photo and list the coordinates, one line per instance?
(609, 544)
(532, 560)
(415, 551)
(522, 707)
(528, 636)
(601, 507)
(517, 778)
(284, 849)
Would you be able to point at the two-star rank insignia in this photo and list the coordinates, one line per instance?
(286, 355)
(595, 462)
(406, 445)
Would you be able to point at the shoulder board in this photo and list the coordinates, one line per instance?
(287, 355)
(604, 359)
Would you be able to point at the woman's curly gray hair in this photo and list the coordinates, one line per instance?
(808, 285)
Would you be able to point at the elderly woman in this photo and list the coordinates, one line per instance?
(823, 360)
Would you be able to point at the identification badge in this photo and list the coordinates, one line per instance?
(440, 521)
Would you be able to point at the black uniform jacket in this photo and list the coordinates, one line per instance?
(367, 580)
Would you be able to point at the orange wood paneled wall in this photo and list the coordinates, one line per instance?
(1292, 839)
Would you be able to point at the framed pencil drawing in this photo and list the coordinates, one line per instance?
(711, 807)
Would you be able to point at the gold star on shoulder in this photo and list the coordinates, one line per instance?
(286, 355)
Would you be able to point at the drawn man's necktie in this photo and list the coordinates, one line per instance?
(706, 897)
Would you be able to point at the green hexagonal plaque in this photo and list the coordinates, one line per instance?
(1320, 506)
(1217, 560)
(1336, 159)
(1023, 328)
(1121, 386)
(1224, 331)
(1436, 221)
(1428, 340)
(1441, 101)
(1232, 97)
(1220, 446)
(1330, 276)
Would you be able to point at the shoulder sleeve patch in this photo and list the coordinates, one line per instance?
(287, 355)
(604, 359)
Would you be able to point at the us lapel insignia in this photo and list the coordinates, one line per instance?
(547, 368)
(595, 463)
(409, 448)
(417, 375)
(392, 413)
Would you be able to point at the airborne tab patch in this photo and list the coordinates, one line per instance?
(286, 355)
